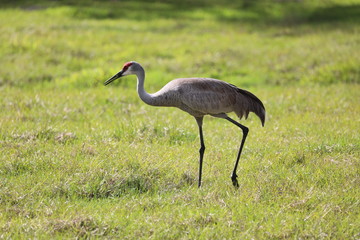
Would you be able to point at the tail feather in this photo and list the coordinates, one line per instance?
(250, 103)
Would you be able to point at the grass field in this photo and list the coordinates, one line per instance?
(80, 160)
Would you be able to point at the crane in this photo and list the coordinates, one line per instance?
(200, 97)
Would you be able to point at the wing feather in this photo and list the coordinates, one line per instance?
(202, 96)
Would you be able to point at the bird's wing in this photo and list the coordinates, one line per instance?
(207, 96)
(201, 96)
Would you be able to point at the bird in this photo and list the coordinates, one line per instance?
(200, 97)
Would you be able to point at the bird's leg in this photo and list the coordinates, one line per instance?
(245, 132)
(199, 121)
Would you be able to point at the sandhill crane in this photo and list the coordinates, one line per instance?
(200, 97)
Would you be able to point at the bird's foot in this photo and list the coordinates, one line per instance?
(235, 181)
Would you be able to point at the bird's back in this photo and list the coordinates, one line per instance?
(202, 96)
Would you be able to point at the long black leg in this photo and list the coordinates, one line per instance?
(245, 133)
(199, 121)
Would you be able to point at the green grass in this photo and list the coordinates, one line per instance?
(80, 160)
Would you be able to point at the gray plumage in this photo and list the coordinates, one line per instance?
(200, 97)
(207, 96)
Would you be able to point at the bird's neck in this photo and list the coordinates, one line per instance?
(146, 97)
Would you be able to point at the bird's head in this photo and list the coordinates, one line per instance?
(128, 69)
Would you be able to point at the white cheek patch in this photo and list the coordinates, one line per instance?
(126, 72)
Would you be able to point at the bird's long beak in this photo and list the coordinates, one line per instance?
(116, 76)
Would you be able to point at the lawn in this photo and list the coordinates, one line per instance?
(81, 160)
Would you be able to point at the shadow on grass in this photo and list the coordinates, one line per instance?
(249, 11)
(332, 14)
